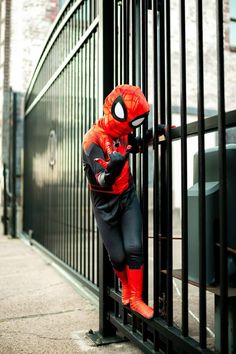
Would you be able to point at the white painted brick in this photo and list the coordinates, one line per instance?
(31, 23)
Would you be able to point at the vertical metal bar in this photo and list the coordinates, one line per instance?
(125, 34)
(120, 44)
(81, 171)
(133, 42)
(45, 190)
(57, 225)
(5, 216)
(137, 43)
(59, 160)
(133, 65)
(184, 171)
(156, 210)
(144, 80)
(124, 41)
(89, 75)
(88, 126)
(55, 179)
(84, 117)
(93, 113)
(69, 148)
(95, 7)
(67, 172)
(116, 80)
(72, 75)
(144, 332)
(69, 157)
(139, 158)
(80, 155)
(77, 128)
(72, 132)
(162, 182)
(97, 81)
(224, 341)
(84, 129)
(52, 173)
(201, 165)
(13, 172)
(169, 170)
(88, 110)
(91, 11)
(77, 142)
(47, 187)
(106, 82)
(83, 219)
(74, 154)
(62, 165)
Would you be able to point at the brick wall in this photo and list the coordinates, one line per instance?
(31, 22)
(24, 28)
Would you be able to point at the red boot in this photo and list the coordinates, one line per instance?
(125, 286)
(135, 279)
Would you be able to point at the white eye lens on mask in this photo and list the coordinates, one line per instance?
(119, 111)
(137, 122)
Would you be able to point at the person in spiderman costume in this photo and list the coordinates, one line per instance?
(106, 147)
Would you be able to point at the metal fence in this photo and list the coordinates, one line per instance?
(93, 46)
(61, 104)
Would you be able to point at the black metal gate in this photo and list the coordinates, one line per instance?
(93, 46)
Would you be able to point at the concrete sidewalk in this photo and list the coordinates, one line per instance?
(40, 311)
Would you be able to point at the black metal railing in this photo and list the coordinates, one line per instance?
(93, 46)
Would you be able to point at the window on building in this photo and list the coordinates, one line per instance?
(232, 29)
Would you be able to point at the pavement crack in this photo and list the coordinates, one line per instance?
(37, 315)
(38, 335)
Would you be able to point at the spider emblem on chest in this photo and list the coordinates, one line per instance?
(116, 143)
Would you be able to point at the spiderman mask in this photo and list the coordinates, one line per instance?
(125, 109)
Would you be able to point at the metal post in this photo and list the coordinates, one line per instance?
(156, 167)
(105, 86)
(14, 135)
(222, 179)
(144, 163)
(201, 173)
(169, 169)
(230, 330)
(107, 332)
(184, 169)
(5, 217)
(163, 191)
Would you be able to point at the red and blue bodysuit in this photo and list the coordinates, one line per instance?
(106, 147)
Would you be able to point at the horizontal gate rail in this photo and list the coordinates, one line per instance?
(168, 333)
(211, 125)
